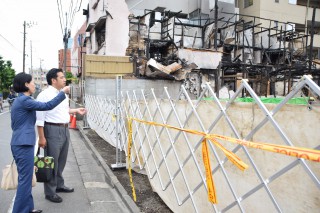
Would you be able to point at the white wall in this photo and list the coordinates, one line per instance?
(106, 87)
(138, 6)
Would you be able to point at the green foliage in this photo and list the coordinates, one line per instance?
(7, 74)
(5, 93)
(69, 77)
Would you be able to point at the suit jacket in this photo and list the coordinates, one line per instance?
(23, 117)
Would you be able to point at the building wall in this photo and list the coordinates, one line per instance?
(284, 11)
(253, 10)
(61, 59)
(76, 65)
(39, 76)
(281, 12)
(106, 88)
(117, 28)
(115, 14)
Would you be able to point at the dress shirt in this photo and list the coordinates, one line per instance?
(60, 114)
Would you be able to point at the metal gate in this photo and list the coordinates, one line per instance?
(172, 159)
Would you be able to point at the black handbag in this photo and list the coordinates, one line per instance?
(45, 167)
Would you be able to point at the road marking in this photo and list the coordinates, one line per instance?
(11, 205)
(2, 113)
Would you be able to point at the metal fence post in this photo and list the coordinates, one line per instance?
(118, 164)
(85, 121)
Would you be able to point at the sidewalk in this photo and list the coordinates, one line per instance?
(94, 190)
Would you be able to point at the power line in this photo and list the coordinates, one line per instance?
(79, 6)
(60, 16)
(70, 12)
(73, 14)
(10, 43)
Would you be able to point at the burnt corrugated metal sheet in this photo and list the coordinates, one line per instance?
(107, 66)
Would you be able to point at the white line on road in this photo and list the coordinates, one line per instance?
(4, 113)
(11, 205)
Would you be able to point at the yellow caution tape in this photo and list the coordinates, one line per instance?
(298, 152)
(129, 159)
(113, 117)
(206, 160)
(210, 184)
(308, 154)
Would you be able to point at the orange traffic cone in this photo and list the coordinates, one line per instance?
(73, 124)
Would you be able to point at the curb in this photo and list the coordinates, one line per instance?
(111, 178)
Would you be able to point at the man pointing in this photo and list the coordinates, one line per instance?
(54, 133)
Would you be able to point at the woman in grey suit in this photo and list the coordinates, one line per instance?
(23, 118)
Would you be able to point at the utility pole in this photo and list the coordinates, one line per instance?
(31, 71)
(41, 85)
(65, 40)
(24, 46)
(24, 43)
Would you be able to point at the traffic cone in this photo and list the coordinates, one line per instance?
(73, 124)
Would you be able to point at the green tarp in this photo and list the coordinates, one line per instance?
(297, 101)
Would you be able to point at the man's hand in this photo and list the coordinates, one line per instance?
(66, 89)
(81, 111)
(42, 142)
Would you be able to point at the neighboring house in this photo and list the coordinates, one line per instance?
(61, 59)
(39, 76)
(78, 51)
(295, 16)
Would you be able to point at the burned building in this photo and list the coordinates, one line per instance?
(198, 41)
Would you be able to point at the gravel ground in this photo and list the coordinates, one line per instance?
(147, 200)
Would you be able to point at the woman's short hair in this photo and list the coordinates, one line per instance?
(20, 80)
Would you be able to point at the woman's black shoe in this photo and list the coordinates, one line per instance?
(54, 198)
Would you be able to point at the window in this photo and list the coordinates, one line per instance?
(248, 3)
(292, 1)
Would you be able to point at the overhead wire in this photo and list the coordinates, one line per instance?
(70, 12)
(10, 43)
(79, 6)
(60, 16)
(62, 13)
(74, 12)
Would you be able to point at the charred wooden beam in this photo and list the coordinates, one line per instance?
(247, 27)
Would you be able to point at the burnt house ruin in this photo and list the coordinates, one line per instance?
(223, 48)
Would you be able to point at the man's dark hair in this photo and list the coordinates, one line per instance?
(53, 74)
(19, 82)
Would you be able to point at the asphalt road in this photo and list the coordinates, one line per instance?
(5, 156)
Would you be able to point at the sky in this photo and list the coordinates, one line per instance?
(43, 30)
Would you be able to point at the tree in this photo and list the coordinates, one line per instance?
(69, 77)
(6, 74)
